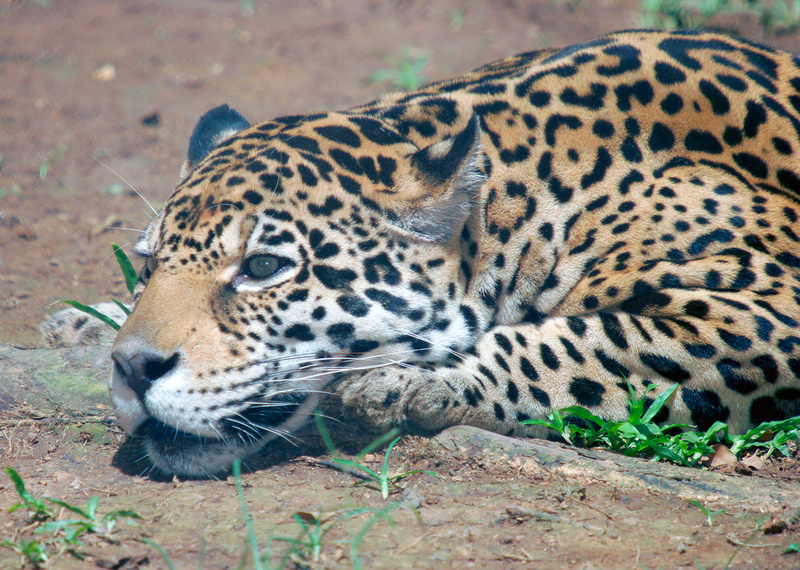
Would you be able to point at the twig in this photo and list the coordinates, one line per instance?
(608, 516)
(517, 557)
(413, 544)
(335, 466)
(107, 420)
(733, 540)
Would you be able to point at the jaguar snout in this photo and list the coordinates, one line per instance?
(136, 369)
(141, 369)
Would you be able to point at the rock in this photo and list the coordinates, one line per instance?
(617, 470)
(65, 380)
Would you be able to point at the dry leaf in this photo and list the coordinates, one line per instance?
(723, 457)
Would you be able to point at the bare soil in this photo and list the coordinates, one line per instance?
(96, 93)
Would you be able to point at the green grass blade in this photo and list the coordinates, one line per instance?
(352, 465)
(55, 526)
(385, 471)
(664, 453)
(248, 520)
(657, 404)
(323, 432)
(91, 507)
(122, 306)
(161, 551)
(355, 543)
(554, 421)
(715, 428)
(73, 508)
(541, 422)
(126, 266)
(201, 556)
(585, 415)
(123, 513)
(93, 312)
(19, 485)
(377, 442)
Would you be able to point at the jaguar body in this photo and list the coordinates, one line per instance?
(542, 232)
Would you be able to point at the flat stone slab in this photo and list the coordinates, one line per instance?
(51, 381)
(538, 458)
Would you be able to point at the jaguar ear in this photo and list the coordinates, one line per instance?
(443, 184)
(213, 128)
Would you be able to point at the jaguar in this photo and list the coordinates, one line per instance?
(546, 231)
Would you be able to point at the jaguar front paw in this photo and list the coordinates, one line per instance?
(395, 397)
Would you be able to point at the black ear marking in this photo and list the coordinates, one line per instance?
(447, 181)
(216, 126)
(440, 162)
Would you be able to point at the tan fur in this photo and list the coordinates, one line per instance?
(537, 234)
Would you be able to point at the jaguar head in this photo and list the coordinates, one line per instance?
(292, 253)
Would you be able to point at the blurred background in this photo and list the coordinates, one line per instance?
(99, 95)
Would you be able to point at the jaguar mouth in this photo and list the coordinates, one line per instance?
(172, 440)
(173, 451)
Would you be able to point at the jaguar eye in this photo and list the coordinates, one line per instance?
(151, 263)
(263, 266)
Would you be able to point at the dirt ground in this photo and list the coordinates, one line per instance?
(96, 94)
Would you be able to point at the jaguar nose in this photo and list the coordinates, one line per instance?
(141, 369)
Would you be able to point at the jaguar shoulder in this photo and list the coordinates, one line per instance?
(539, 233)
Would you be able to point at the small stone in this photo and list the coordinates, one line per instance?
(116, 189)
(26, 233)
(62, 476)
(104, 73)
(151, 120)
(775, 526)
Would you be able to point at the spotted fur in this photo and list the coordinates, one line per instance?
(538, 233)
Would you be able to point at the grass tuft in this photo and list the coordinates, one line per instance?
(382, 480)
(129, 273)
(53, 536)
(778, 16)
(406, 73)
(306, 547)
(640, 436)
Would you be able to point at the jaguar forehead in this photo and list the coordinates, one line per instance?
(221, 229)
